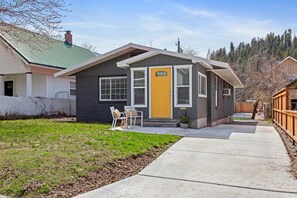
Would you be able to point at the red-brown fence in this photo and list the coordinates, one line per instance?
(284, 118)
(243, 107)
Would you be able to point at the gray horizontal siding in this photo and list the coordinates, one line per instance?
(165, 60)
(225, 106)
(89, 108)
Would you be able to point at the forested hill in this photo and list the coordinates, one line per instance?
(253, 61)
(278, 46)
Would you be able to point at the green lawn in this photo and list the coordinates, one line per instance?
(39, 154)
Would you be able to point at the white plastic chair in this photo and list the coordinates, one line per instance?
(129, 114)
(116, 117)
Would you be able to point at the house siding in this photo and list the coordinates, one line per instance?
(225, 108)
(198, 109)
(89, 107)
(202, 113)
(201, 107)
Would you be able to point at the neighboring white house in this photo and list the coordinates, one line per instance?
(27, 68)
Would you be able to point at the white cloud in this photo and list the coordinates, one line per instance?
(196, 12)
(217, 29)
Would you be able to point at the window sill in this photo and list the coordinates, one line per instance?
(202, 96)
(112, 100)
(140, 106)
(181, 106)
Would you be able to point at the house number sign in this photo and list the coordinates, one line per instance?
(161, 73)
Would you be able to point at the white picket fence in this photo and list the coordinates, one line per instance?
(36, 106)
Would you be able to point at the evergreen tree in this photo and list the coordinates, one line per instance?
(253, 63)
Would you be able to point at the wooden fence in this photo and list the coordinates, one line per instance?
(284, 118)
(243, 107)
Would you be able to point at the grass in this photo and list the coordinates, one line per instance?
(241, 118)
(38, 154)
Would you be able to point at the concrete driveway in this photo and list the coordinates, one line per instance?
(251, 161)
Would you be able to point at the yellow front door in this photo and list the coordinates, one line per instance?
(161, 92)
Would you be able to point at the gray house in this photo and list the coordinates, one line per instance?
(162, 84)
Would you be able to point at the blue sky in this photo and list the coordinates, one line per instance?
(199, 24)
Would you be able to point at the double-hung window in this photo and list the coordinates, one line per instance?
(202, 85)
(183, 85)
(72, 88)
(139, 87)
(113, 88)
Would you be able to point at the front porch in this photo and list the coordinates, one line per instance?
(17, 84)
(33, 84)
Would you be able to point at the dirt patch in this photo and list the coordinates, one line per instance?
(291, 149)
(111, 172)
(64, 119)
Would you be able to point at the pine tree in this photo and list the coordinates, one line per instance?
(253, 63)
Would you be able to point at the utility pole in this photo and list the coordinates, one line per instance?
(179, 49)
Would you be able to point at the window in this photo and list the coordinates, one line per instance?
(113, 88)
(72, 88)
(183, 86)
(216, 92)
(202, 85)
(139, 76)
(226, 92)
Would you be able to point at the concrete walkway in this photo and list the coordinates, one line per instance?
(234, 161)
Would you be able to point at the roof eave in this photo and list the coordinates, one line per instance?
(98, 60)
(127, 62)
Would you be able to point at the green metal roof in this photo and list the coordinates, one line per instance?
(50, 53)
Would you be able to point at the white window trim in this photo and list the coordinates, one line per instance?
(216, 92)
(175, 86)
(72, 96)
(145, 86)
(199, 84)
(104, 78)
(229, 92)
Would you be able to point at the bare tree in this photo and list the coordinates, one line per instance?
(261, 80)
(39, 16)
(191, 51)
(89, 46)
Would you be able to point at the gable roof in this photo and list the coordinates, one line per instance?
(51, 53)
(154, 52)
(220, 68)
(104, 57)
(288, 58)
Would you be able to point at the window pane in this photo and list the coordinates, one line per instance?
(118, 88)
(72, 85)
(183, 95)
(203, 90)
(139, 74)
(139, 96)
(105, 89)
(114, 89)
(183, 75)
(72, 92)
(139, 83)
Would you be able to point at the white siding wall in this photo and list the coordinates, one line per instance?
(55, 85)
(38, 85)
(10, 63)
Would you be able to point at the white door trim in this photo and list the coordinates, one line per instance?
(150, 90)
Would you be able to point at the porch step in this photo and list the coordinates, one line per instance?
(159, 122)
